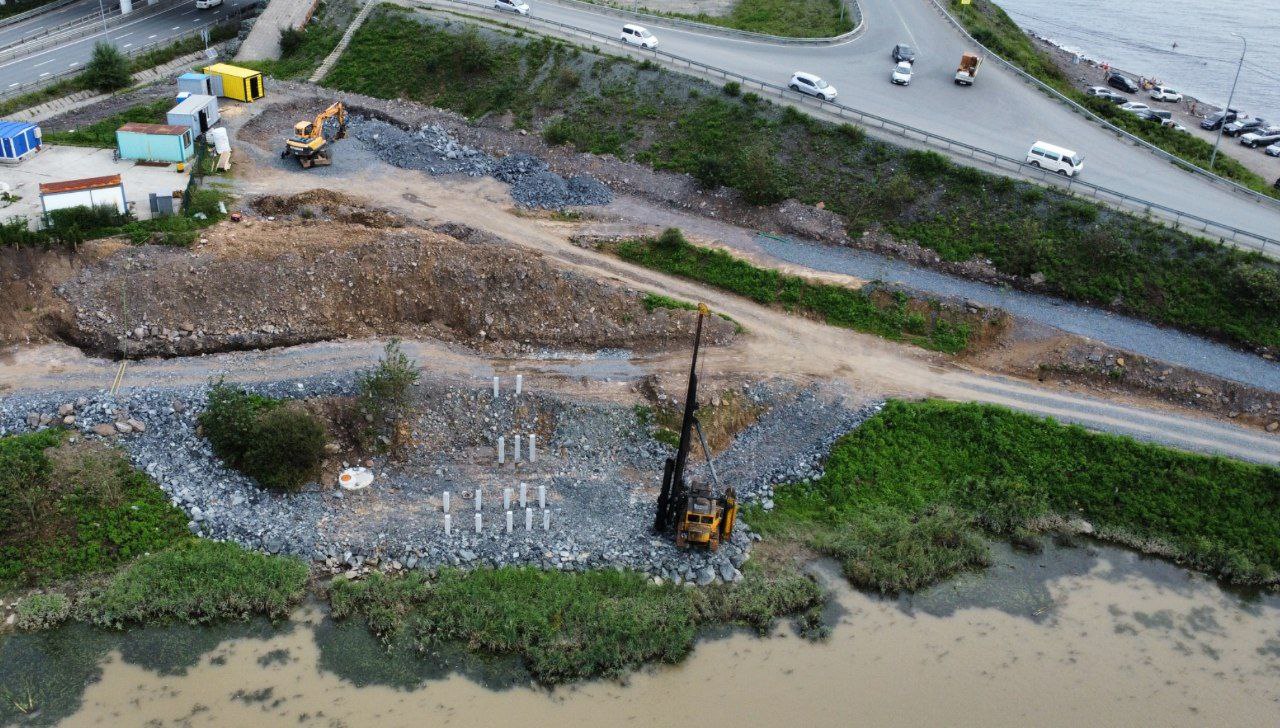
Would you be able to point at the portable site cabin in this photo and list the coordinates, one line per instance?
(242, 84)
(155, 142)
(89, 192)
(196, 111)
(200, 83)
(18, 140)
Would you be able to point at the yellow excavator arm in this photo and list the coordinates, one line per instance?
(309, 144)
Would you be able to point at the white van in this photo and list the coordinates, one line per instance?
(1055, 159)
(637, 35)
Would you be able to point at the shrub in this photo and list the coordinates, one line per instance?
(42, 611)
(385, 393)
(108, 69)
(281, 446)
(671, 239)
(732, 88)
(291, 39)
(929, 165)
(759, 176)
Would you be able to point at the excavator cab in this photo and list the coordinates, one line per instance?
(693, 512)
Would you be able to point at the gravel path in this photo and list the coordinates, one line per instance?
(1168, 345)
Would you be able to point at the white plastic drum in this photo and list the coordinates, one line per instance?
(355, 479)
(221, 142)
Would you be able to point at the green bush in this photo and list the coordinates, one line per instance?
(108, 69)
(732, 88)
(42, 611)
(279, 445)
(197, 582)
(291, 39)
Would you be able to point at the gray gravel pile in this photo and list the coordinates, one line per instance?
(430, 149)
(599, 465)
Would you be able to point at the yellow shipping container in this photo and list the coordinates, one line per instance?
(242, 84)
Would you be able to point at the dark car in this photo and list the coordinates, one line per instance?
(1154, 116)
(1122, 82)
(1218, 118)
(1243, 126)
(904, 52)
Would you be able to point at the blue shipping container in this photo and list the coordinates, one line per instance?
(18, 139)
(155, 142)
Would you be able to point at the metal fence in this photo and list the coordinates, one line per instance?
(1227, 234)
(1083, 111)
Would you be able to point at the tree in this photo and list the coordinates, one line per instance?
(108, 69)
(290, 40)
(385, 395)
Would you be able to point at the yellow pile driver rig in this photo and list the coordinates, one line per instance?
(692, 511)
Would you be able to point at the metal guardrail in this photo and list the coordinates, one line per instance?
(600, 6)
(1083, 111)
(68, 73)
(39, 10)
(1227, 234)
(81, 27)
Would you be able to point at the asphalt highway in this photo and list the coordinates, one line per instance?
(167, 24)
(1000, 112)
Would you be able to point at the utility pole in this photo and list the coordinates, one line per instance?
(1244, 46)
(102, 13)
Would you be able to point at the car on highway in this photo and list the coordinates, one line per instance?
(1164, 93)
(1244, 126)
(808, 83)
(1273, 151)
(1055, 159)
(903, 52)
(512, 6)
(637, 35)
(1134, 107)
(1263, 137)
(1122, 82)
(1218, 118)
(205, 4)
(901, 73)
(1103, 92)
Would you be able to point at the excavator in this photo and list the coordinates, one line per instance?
(692, 511)
(309, 145)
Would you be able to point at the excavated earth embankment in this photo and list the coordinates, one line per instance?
(333, 269)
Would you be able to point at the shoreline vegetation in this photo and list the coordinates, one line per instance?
(727, 138)
(910, 498)
(988, 23)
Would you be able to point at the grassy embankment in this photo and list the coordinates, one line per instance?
(141, 62)
(909, 496)
(77, 513)
(102, 134)
(1085, 253)
(787, 18)
(992, 27)
(887, 315)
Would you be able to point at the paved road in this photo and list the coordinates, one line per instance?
(1000, 112)
(35, 25)
(164, 25)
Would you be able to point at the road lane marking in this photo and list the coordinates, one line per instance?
(151, 36)
(46, 73)
(126, 45)
(41, 63)
(174, 28)
(12, 85)
(126, 35)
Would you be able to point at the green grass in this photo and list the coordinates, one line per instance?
(837, 305)
(318, 41)
(197, 582)
(567, 626)
(71, 511)
(907, 497)
(607, 106)
(789, 18)
(993, 28)
(102, 134)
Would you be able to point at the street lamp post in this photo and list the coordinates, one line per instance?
(1244, 46)
(102, 13)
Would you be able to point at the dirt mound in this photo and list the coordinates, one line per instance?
(326, 205)
(262, 284)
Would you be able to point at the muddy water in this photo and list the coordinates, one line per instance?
(1076, 635)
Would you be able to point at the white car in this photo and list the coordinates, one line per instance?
(512, 6)
(206, 4)
(807, 83)
(901, 73)
(1273, 150)
(1261, 137)
(1164, 93)
(636, 35)
(1134, 107)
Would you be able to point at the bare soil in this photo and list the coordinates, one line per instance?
(329, 268)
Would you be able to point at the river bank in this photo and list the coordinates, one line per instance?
(1095, 633)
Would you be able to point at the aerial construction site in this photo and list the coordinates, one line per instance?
(394, 341)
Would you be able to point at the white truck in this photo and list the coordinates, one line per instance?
(968, 69)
